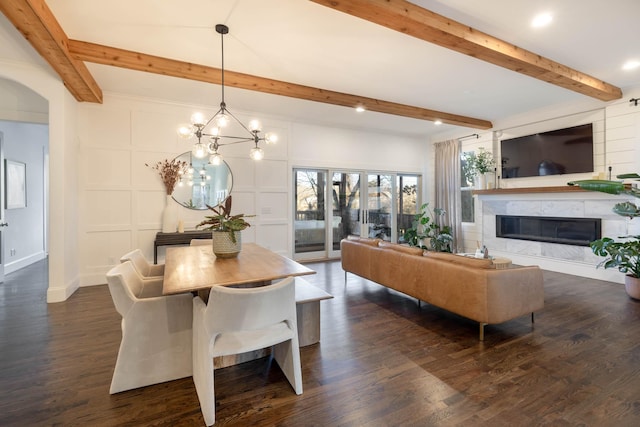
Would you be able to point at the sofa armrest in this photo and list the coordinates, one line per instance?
(514, 292)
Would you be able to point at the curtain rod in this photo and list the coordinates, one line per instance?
(473, 135)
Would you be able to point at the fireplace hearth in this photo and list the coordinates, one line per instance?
(567, 231)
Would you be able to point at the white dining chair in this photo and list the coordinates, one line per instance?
(142, 266)
(200, 242)
(156, 341)
(238, 320)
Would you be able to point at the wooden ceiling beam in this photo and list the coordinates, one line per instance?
(34, 20)
(408, 18)
(105, 55)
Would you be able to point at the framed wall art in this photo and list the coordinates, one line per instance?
(16, 184)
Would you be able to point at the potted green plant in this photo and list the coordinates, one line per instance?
(623, 254)
(424, 227)
(225, 229)
(477, 165)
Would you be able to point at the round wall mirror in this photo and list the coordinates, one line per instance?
(210, 184)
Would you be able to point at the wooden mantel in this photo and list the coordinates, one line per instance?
(528, 190)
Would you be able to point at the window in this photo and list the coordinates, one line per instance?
(466, 188)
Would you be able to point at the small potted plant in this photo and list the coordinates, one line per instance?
(623, 254)
(477, 165)
(225, 229)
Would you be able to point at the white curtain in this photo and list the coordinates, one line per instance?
(447, 194)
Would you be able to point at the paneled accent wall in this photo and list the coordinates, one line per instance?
(121, 200)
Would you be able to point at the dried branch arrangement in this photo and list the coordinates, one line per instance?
(170, 172)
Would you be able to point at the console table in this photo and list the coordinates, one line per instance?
(172, 239)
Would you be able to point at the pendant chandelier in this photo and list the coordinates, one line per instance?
(212, 130)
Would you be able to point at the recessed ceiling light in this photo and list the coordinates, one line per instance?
(631, 65)
(541, 20)
(360, 109)
(437, 122)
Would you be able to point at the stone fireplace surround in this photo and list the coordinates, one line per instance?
(576, 260)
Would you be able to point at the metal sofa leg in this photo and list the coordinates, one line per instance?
(482, 325)
(533, 320)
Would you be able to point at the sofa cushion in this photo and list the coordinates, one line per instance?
(410, 250)
(459, 259)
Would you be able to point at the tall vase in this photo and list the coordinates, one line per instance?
(169, 215)
(481, 181)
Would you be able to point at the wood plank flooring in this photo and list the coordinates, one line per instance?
(382, 361)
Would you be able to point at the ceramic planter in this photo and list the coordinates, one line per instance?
(632, 286)
(223, 245)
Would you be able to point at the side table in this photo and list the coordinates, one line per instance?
(173, 239)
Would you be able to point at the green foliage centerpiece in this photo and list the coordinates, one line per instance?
(225, 229)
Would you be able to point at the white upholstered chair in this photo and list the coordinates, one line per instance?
(156, 341)
(142, 266)
(238, 320)
(200, 242)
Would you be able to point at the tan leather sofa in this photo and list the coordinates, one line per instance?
(470, 287)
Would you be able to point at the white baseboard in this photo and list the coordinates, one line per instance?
(62, 293)
(16, 265)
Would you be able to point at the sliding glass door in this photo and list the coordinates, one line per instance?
(407, 191)
(379, 216)
(310, 212)
(367, 204)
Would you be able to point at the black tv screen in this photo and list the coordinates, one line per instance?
(556, 152)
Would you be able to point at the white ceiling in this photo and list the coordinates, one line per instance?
(301, 42)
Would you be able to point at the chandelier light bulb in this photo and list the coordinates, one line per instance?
(254, 125)
(190, 171)
(198, 119)
(215, 159)
(199, 150)
(256, 153)
(203, 172)
(190, 183)
(270, 138)
(185, 131)
(215, 131)
(222, 120)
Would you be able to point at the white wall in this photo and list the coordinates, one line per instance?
(24, 238)
(121, 199)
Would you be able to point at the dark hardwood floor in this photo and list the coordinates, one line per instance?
(382, 361)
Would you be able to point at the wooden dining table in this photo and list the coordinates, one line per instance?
(197, 269)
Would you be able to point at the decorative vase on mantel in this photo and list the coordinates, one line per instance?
(481, 181)
(169, 215)
(223, 244)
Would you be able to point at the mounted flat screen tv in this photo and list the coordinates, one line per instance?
(556, 152)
